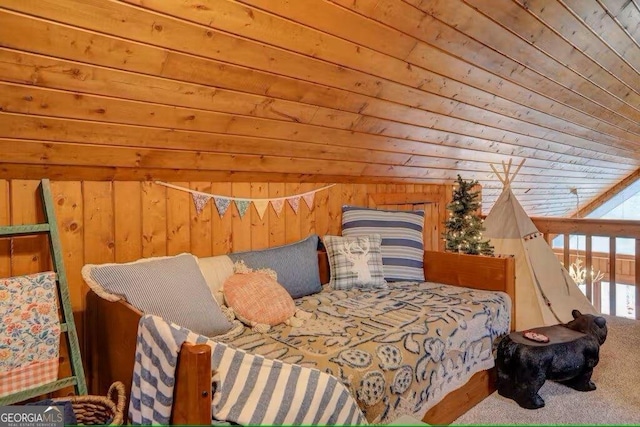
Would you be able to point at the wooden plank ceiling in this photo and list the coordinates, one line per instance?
(326, 91)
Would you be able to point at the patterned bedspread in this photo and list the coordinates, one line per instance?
(398, 350)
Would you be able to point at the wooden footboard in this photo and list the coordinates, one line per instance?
(473, 271)
(114, 326)
(112, 343)
(478, 272)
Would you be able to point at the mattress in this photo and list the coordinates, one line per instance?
(398, 350)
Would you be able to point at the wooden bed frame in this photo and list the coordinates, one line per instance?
(113, 329)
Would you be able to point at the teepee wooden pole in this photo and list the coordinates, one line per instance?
(506, 168)
(517, 170)
(497, 173)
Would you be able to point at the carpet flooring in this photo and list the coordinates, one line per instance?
(615, 401)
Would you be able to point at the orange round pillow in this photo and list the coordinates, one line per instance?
(258, 298)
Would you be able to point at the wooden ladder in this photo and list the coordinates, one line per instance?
(67, 324)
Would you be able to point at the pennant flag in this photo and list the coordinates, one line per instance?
(308, 199)
(242, 206)
(261, 206)
(222, 205)
(200, 201)
(295, 203)
(277, 206)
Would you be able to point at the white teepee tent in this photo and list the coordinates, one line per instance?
(545, 292)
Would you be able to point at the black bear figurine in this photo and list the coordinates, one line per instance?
(568, 357)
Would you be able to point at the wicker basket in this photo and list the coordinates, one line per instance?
(98, 410)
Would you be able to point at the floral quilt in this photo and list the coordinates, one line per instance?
(399, 350)
(29, 332)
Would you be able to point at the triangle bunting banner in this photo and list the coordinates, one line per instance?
(200, 201)
(261, 206)
(277, 206)
(242, 206)
(222, 205)
(308, 199)
(294, 202)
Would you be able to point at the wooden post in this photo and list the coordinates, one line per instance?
(637, 273)
(612, 276)
(587, 265)
(567, 250)
(193, 385)
(548, 239)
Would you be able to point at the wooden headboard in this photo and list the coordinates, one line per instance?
(323, 265)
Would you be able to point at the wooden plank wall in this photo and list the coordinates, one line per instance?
(241, 90)
(122, 221)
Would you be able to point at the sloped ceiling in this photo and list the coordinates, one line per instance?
(317, 90)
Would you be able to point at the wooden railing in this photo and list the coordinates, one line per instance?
(617, 268)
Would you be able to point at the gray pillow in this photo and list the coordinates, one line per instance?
(296, 265)
(170, 287)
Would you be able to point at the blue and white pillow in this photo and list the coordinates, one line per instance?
(171, 287)
(402, 239)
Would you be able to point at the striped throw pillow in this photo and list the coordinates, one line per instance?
(170, 287)
(402, 240)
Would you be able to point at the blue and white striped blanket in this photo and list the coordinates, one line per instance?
(246, 389)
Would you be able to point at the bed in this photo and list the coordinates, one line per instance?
(115, 324)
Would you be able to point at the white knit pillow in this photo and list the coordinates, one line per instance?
(216, 269)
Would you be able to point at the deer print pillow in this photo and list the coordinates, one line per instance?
(355, 262)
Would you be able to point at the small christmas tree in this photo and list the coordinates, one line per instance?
(464, 227)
